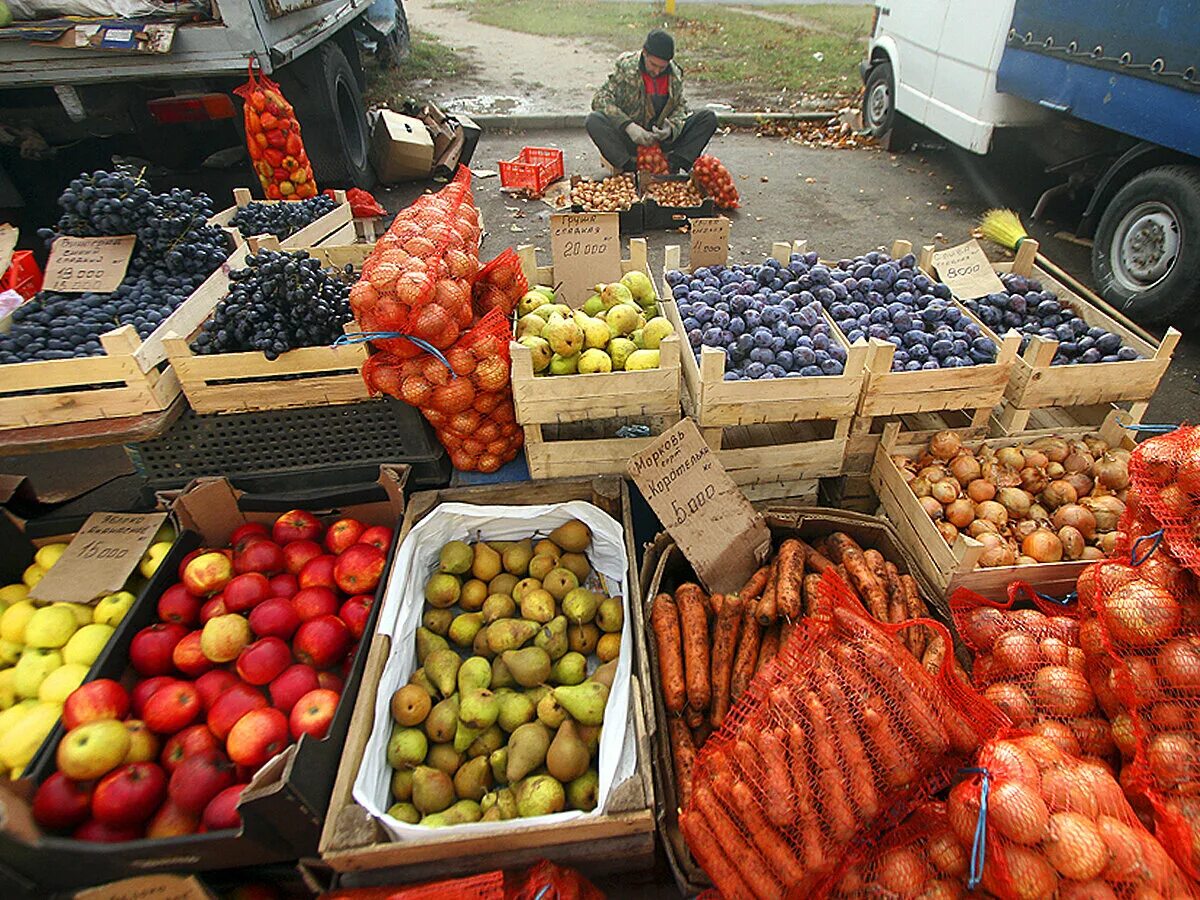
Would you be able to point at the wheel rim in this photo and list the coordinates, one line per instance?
(1145, 246)
(879, 101)
(351, 125)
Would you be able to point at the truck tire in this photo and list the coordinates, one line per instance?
(321, 85)
(395, 48)
(1146, 254)
(879, 115)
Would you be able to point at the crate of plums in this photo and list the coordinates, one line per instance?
(295, 223)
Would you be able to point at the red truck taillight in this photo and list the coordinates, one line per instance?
(191, 108)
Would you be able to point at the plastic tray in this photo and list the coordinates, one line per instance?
(534, 169)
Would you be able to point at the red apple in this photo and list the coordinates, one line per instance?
(378, 535)
(222, 811)
(311, 602)
(263, 660)
(297, 553)
(144, 690)
(275, 617)
(264, 557)
(151, 649)
(207, 573)
(99, 832)
(359, 569)
(342, 534)
(231, 706)
(193, 740)
(183, 563)
(143, 745)
(318, 572)
(99, 699)
(257, 736)
(355, 612)
(284, 585)
(177, 605)
(173, 708)
(321, 642)
(212, 685)
(296, 525)
(171, 821)
(330, 681)
(129, 795)
(313, 714)
(215, 606)
(291, 685)
(61, 803)
(244, 592)
(248, 533)
(198, 779)
(189, 658)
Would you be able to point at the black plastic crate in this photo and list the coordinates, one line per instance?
(656, 217)
(323, 446)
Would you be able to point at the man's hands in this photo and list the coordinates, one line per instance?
(662, 132)
(639, 135)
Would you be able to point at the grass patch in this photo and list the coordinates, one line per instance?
(721, 45)
(429, 59)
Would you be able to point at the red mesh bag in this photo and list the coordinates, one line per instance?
(363, 204)
(1164, 476)
(710, 173)
(499, 285)
(273, 140)
(542, 881)
(1055, 826)
(652, 160)
(833, 743)
(921, 858)
(1029, 663)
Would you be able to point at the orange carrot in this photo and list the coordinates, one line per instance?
(774, 848)
(791, 571)
(742, 849)
(771, 775)
(814, 559)
(683, 752)
(725, 638)
(768, 648)
(664, 621)
(705, 847)
(918, 636)
(861, 576)
(747, 652)
(753, 588)
(767, 606)
(815, 601)
(693, 619)
(875, 560)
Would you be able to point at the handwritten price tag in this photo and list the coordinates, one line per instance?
(966, 270)
(8, 243)
(710, 518)
(100, 557)
(710, 242)
(79, 264)
(586, 250)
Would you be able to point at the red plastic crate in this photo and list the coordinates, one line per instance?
(534, 169)
(23, 275)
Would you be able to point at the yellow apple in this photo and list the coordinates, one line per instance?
(19, 744)
(81, 611)
(93, 749)
(7, 695)
(111, 609)
(59, 683)
(34, 667)
(32, 575)
(14, 714)
(47, 556)
(85, 644)
(153, 558)
(14, 620)
(50, 626)
(10, 652)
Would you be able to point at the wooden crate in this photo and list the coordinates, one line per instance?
(580, 449)
(1105, 419)
(774, 437)
(356, 847)
(249, 382)
(315, 233)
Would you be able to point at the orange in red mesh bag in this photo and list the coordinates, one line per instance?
(1039, 822)
(834, 742)
(273, 140)
(499, 285)
(921, 858)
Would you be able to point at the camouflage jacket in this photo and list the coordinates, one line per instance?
(623, 97)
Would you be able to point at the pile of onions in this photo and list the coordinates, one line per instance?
(1050, 500)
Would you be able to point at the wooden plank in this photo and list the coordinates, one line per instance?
(310, 235)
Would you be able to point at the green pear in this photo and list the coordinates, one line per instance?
(568, 756)
(442, 720)
(474, 675)
(406, 747)
(610, 615)
(546, 310)
(485, 564)
(593, 305)
(641, 288)
(595, 331)
(580, 605)
(594, 361)
(516, 558)
(455, 558)
(404, 812)
(480, 645)
(506, 802)
(530, 666)
(535, 694)
(515, 710)
(442, 668)
(490, 740)
(585, 702)
(570, 669)
(531, 300)
(441, 590)
(553, 637)
(501, 677)
(604, 674)
(472, 595)
(420, 679)
(530, 326)
(461, 813)
(526, 750)
(523, 587)
(464, 736)
(402, 784)
(583, 638)
(478, 708)
(547, 290)
(437, 620)
(433, 790)
(541, 565)
(498, 760)
(641, 359)
(538, 605)
(502, 584)
(498, 606)
(444, 758)
(656, 329)
(615, 294)
(549, 712)
(638, 336)
(464, 628)
(564, 336)
(473, 779)
(564, 365)
(540, 353)
(583, 792)
(560, 582)
(623, 319)
(509, 634)
(428, 643)
(590, 735)
(618, 350)
(540, 795)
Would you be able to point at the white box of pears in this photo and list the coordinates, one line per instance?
(506, 703)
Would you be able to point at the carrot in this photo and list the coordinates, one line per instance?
(897, 603)
(894, 758)
(664, 621)
(905, 696)
(695, 719)
(768, 648)
(724, 646)
(861, 576)
(918, 637)
(935, 655)
(785, 632)
(831, 775)
(741, 849)
(775, 850)
(707, 850)
(772, 776)
(814, 559)
(768, 605)
(693, 618)
(701, 732)
(812, 848)
(791, 571)
(753, 588)
(683, 754)
(862, 786)
(815, 601)
(714, 604)
(746, 659)
(875, 560)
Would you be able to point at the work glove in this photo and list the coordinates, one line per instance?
(639, 135)
(662, 132)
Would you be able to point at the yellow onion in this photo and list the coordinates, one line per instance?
(1059, 493)
(948, 532)
(960, 513)
(1033, 480)
(920, 486)
(1011, 457)
(981, 489)
(1016, 501)
(1036, 458)
(993, 512)
(1078, 460)
(1112, 472)
(932, 508)
(981, 527)
(965, 468)
(1082, 483)
(1077, 516)
(1072, 542)
(1043, 545)
(944, 491)
(1054, 448)
(945, 444)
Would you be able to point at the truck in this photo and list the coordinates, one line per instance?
(160, 86)
(1106, 96)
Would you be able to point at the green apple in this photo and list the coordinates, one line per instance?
(50, 627)
(153, 558)
(111, 609)
(85, 644)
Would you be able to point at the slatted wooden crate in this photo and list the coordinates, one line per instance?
(315, 233)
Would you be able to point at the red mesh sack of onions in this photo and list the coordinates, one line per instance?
(1029, 663)
(921, 858)
(710, 173)
(652, 160)
(835, 741)
(1164, 475)
(1141, 637)
(499, 285)
(1055, 826)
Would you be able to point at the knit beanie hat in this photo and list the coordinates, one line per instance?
(660, 44)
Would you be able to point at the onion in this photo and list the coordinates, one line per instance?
(920, 486)
(1043, 545)
(981, 625)
(1076, 659)
(982, 526)
(984, 672)
(1017, 812)
(1107, 542)
(1008, 761)
(1082, 483)
(944, 491)
(1064, 738)
(1055, 449)
(948, 532)
(945, 444)
(1091, 553)
(1059, 493)
(1072, 542)
(1113, 472)
(1172, 760)
(1075, 846)
(1062, 790)
(1064, 628)
(1055, 470)
(1124, 846)
(902, 871)
(980, 489)
(1094, 735)
(932, 472)
(993, 512)
(1015, 501)
(965, 468)
(932, 508)
(1054, 651)
(1170, 717)
(1156, 461)
(1016, 653)
(1033, 480)
(1123, 734)
(962, 809)
(1095, 889)
(901, 462)
(1096, 445)
(1011, 457)
(1043, 752)
(1024, 529)
(997, 555)
(1036, 458)
(1077, 516)
(1029, 876)
(1062, 692)
(1078, 460)
(1023, 560)
(1189, 472)
(1038, 513)
(960, 513)
(1160, 569)
(946, 854)
(1179, 664)
(1141, 614)
(1135, 682)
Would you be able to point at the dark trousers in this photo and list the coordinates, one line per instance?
(615, 146)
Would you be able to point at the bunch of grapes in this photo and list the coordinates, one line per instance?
(281, 219)
(280, 301)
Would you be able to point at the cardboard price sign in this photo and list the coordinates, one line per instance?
(586, 250)
(96, 264)
(711, 520)
(967, 272)
(710, 242)
(8, 243)
(150, 887)
(100, 557)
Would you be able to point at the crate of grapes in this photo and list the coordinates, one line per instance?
(295, 362)
(294, 223)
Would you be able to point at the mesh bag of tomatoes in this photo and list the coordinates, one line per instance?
(710, 173)
(465, 394)
(833, 743)
(273, 140)
(1055, 825)
(499, 285)
(417, 281)
(1030, 664)
(1164, 474)
(652, 160)
(1141, 636)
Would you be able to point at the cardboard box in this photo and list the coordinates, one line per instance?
(401, 148)
(284, 806)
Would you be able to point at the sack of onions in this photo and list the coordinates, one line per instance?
(1057, 826)
(1164, 474)
(1051, 500)
(920, 858)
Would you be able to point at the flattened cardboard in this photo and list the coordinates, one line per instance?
(710, 242)
(401, 148)
(714, 524)
(150, 887)
(100, 558)
(966, 270)
(585, 249)
(8, 243)
(79, 264)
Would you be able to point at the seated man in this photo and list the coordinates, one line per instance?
(642, 104)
